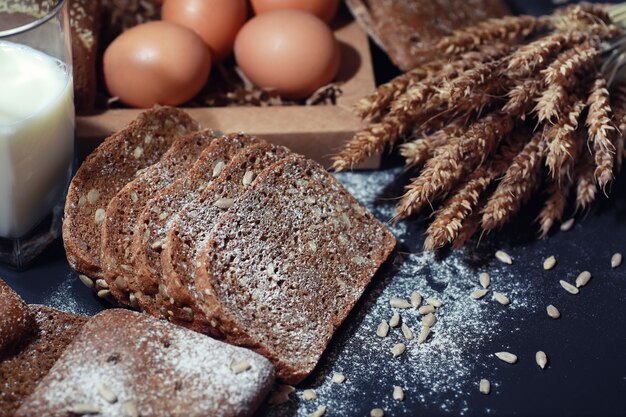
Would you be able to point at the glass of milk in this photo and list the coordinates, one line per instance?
(36, 125)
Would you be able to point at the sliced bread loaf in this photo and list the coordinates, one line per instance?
(27, 363)
(151, 368)
(192, 226)
(118, 229)
(154, 221)
(15, 318)
(287, 262)
(110, 167)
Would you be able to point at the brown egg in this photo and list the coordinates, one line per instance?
(156, 63)
(215, 21)
(290, 51)
(324, 9)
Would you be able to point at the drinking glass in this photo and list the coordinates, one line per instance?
(36, 125)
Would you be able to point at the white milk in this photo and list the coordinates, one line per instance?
(36, 136)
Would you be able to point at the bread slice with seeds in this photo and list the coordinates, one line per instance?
(109, 168)
(25, 364)
(154, 221)
(123, 210)
(152, 368)
(287, 262)
(15, 318)
(192, 226)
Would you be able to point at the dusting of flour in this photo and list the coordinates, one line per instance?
(440, 372)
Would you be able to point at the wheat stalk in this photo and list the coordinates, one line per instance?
(515, 188)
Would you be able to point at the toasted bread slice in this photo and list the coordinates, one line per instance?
(192, 226)
(155, 220)
(287, 262)
(15, 317)
(117, 161)
(27, 363)
(118, 229)
(125, 363)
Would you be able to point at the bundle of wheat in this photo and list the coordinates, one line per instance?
(513, 105)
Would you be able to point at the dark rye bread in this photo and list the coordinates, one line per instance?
(85, 28)
(110, 167)
(154, 222)
(126, 364)
(118, 229)
(408, 29)
(192, 226)
(15, 318)
(287, 262)
(27, 363)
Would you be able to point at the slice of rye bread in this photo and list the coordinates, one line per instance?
(110, 167)
(154, 222)
(15, 317)
(123, 210)
(192, 226)
(287, 262)
(150, 368)
(23, 366)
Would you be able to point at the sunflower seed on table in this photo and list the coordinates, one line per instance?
(567, 225)
(338, 378)
(501, 298)
(541, 358)
(504, 257)
(377, 412)
(549, 263)
(398, 393)
(435, 302)
(506, 357)
(423, 334)
(406, 331)
(478, 294)
(398, 302)
(416, 299)
(569, 287)
(394, 321)
(484, 280)
(86, 280)
(321, 410)
(398, 349)
(309, 394)
(106, 393)
(426, 309)
(84, 408)
(583, 278)
(553, 312)
(383, 329)
(429, 320)
(616, 260)
(484, 386)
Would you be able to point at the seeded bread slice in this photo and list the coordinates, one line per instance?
(27, 363)
(154, 221)
(15, 318)
(192, 226)
(118, 229)
(110, 167)
(286, 264)
(125, 363)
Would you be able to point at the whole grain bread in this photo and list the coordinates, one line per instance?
(192, 226)
(126, 364)
(118, 229)
(118, 160)
(85, 28)
(15, 317)
(154, 222)
(24, 365)
(287, 262)
(408, 29)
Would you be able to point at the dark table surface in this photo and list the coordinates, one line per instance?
(586, 347)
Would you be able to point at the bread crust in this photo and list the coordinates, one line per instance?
(109, 168)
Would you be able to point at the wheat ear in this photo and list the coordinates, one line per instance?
(585, 181)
